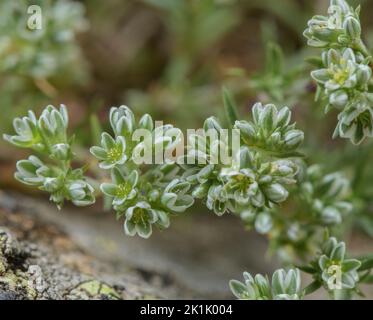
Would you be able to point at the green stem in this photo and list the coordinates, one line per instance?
(360, 46)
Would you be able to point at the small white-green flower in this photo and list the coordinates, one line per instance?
(27, 132)
(356, 121)
(217, 199)
(336, 271)
(139, 219)
(81, 193)
(242, 187)
(175, 196)
(111, 153)
(31, 171)
(122, 188)
(254, 288)
(342, 71)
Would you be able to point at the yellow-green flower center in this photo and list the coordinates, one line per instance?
(123, 190)
(114, 154)
(139, 216)
(243, 182)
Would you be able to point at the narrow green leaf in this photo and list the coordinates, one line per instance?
(274, 59)
(366, 264)
(96, 129)
(312, 287)
(230, 106)
(307, 269)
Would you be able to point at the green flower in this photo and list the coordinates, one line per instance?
(285, 286)
(80, 193)
(139, 219)
(242, 187)
(122, 188)
(27, 132)
(111, 153)
(356, 121)
(122, 121)
(32, 171)
(217, 199)
(342, 72)
(175, 197)
(254, 288)
(336, 271)
(253, 181)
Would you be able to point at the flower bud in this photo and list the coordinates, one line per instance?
(268, 118)
(363, 73)
(153, 195)
(27, 171)
(352, 27)
(293, 138)
(247, 130)
(212, 123)
(61, 151)
(338, 99)
(122, 120)
(201, 191)
(81, 193)
(52, 184)
(331, 215)
(263, 223)
(276, 193)
(283, 117)
(342, 4)
(248, 215)
(146, 122)
(331, 56)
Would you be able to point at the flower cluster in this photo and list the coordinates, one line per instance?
(319, 200)
(284, 286)
(144, 195)
(345, 74)
(258, 173)
(47, 135)
(325, 195)
(271, 130)
(340, 28)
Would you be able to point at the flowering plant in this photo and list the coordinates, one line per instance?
(252, 168)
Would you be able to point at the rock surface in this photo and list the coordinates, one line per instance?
(84, 254)
(39, 261)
